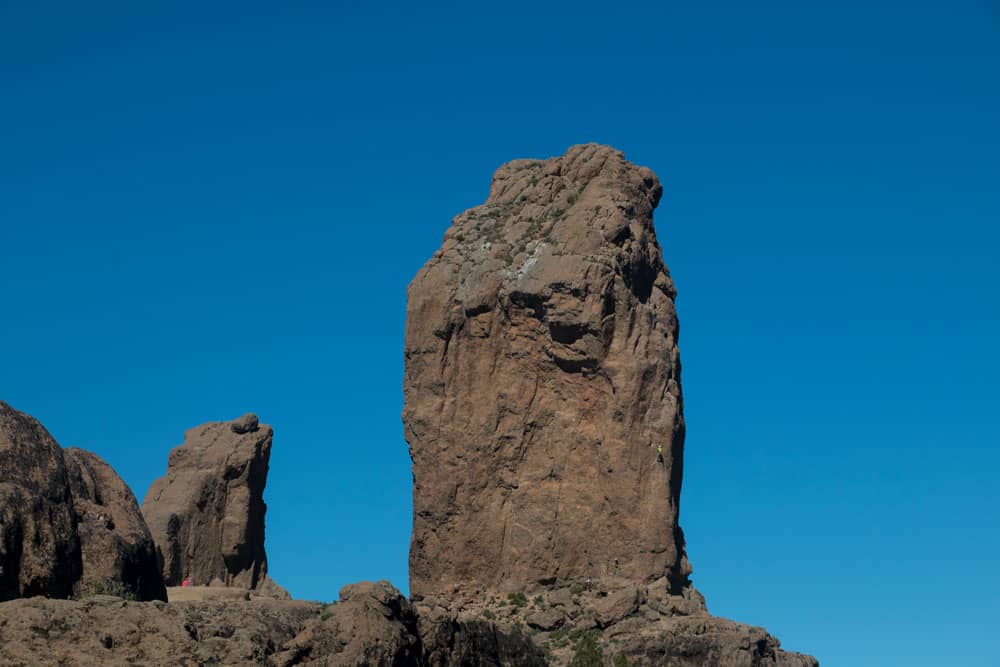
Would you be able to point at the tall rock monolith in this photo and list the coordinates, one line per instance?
(542, 375)
(206, 513)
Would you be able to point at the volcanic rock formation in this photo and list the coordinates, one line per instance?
(207, 513)
(544, 414)
(68, 524)
(542, 373)
(39, 543)
(116, 544)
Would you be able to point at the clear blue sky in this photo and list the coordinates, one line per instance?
(212, 209)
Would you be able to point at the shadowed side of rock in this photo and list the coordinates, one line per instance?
(39, 543)
(206, 514)
(117, 547)
(68, 524)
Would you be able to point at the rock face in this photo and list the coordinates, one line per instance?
(206, 514)
(39, 544)
(544, 414)
(68, 524)
(542, 372)
(372, 624)
(116, 544)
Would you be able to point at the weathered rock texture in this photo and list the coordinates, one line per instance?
(371, 625)
(646, 625)
(68, 524)
(116, 545)
(542, 371)
(207, 513)
(542, 374)
(39, 543)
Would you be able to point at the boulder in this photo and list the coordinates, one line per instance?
(39, 543)
(116, 546)
(206, 514)
(549, 619)
(617, 605)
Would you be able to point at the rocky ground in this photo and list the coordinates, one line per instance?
(371, 624)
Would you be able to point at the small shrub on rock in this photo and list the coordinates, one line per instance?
(587, 652)
(106, 587)
(518, 599)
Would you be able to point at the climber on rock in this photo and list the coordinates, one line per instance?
(659, 453)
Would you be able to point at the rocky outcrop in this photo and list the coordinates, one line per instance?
(372, 624)
(39, 543)
(644, 625)
(68, 524)
(450, 639)
(542, 373)
(695, 642)
(206, 514)
(117, 550)
(544, 414)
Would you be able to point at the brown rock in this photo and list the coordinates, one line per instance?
(548, 619)
(561, 597)
(207, 513)
(39, 544)
(109, 631)
(689, 603)
(541, 373)
(248, 423)
(617, 605)
(694, 642)
(451, 641)
(372, 624)
(117, 549)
